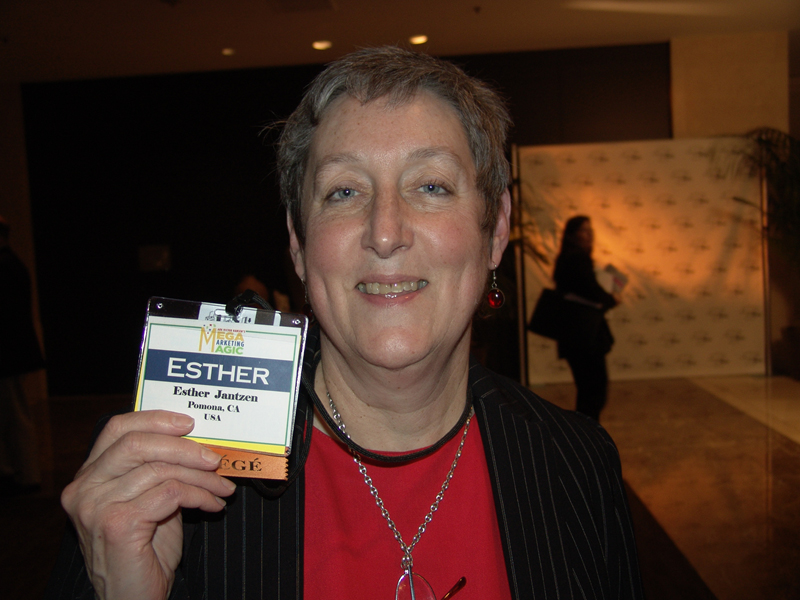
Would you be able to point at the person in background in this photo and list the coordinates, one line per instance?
(20, 355)
(277, 299)
(412, 465)
(584, 337)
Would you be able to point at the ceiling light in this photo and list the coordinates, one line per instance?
(321, 45)
(418, 39)
(228, 51)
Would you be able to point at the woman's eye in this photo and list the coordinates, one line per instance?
(342, 194)
(432, 188)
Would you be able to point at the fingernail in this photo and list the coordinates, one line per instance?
(210, 456)
(228, 484)
(221, 501)
(181, 420)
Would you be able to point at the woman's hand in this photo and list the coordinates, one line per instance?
(126, 501)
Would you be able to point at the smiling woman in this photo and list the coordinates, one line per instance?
(395, 182)
(410, 217)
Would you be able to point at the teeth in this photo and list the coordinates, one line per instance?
(386, 289)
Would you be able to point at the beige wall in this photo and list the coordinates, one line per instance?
(694, 303)
(729, 84)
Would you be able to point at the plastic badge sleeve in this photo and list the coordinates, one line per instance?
(237, 376)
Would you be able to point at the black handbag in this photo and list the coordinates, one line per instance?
(546, 318)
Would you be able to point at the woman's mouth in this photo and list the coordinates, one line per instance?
(391, 288)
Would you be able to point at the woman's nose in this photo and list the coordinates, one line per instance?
(388, 225)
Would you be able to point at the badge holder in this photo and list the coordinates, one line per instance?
(235, 369)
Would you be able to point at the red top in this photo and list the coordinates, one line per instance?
(349, 550)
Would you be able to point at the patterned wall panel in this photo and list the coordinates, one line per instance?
(665, 214)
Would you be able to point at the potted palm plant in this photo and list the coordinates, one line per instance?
(775, 157)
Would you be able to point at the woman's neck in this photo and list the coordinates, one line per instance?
(394, 410)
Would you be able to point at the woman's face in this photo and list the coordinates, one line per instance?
(395, 260)
(584, 235)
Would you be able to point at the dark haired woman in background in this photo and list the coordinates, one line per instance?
(585, 338)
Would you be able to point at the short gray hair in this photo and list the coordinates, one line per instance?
(398, 74)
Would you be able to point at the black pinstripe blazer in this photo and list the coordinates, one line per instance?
(561, 508)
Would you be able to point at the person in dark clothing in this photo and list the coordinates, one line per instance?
(395, 180)
(584, 338)
(19, 355)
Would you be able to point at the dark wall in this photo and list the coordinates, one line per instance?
(179, 161)
(582, 95)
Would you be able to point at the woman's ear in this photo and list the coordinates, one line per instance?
(296, 250)
(502, 229)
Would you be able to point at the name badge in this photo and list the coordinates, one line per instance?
(238, 376)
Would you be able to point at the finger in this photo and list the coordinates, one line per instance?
(124, 523)
(147, 421)
(160, 502)
(136, 448)
(131, 503)
(150, 475)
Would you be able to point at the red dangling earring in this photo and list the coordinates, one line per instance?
(308, 311)
(495, 296)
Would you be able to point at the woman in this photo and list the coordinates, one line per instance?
(585, 338)
(410, 462)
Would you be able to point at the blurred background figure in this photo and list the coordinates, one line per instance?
(20, 355)
(277, 299)
(584, 338)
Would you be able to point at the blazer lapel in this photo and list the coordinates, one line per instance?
(520, 456)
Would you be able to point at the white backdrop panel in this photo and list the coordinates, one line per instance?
(664, 213)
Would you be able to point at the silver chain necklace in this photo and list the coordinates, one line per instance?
(409, 581)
